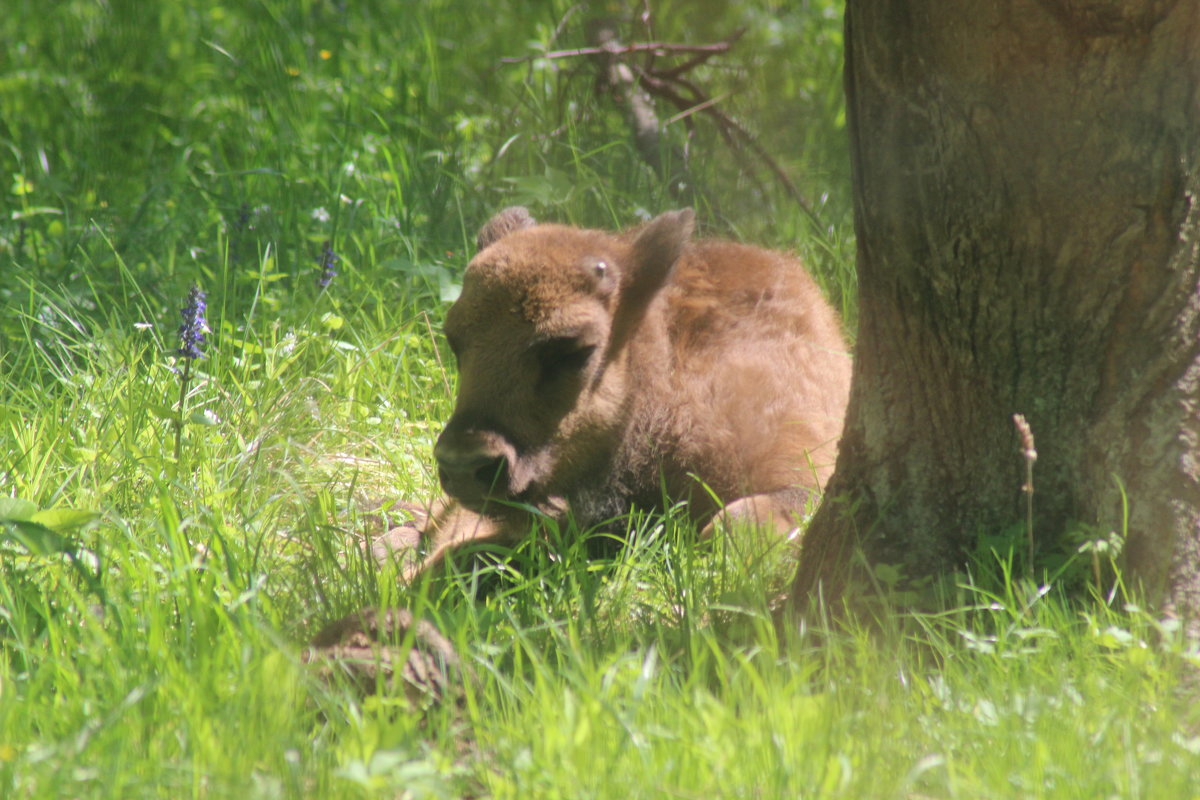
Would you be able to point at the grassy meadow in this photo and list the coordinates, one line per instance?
(174, 530)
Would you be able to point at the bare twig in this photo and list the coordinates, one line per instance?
(437, 354)
(658, 48)
(703, 56)
(731, 131)
(1029, 453)
(682, 115)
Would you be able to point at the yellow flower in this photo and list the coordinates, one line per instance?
(326, 55)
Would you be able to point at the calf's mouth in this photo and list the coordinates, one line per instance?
(484, 470)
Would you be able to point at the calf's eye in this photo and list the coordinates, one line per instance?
(562, 357)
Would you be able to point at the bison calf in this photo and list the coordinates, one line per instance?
(602, 371)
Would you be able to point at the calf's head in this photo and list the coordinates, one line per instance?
(541, 335)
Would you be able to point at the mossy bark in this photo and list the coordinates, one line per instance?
(1025, 180)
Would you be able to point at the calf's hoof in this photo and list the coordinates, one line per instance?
(388, 649)
(400, 544)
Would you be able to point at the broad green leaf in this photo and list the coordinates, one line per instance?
(162, 412)
(63, 519)
(14, 509)
(37, 539)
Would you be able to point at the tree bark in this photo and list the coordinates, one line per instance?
(1025, 174)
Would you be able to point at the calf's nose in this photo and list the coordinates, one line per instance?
(468, 469)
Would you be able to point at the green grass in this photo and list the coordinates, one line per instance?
(153, 608)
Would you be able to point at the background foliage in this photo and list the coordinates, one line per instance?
(154, 600)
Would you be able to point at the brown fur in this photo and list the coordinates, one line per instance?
(598, 371)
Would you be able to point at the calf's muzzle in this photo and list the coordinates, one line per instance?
(472, 465)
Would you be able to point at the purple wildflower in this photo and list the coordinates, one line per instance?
(328, 260)
(191, 332)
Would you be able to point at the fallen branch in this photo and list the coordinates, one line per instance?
(637, 83)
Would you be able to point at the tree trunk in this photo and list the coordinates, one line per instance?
(1025, 175)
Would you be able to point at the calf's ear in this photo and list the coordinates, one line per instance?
(652, 257)
(513, 218)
